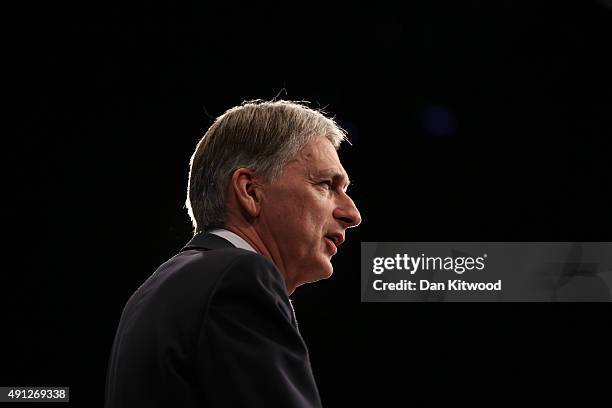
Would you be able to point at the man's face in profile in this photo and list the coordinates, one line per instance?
(306, 211)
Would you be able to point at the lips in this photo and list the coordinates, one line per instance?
(337, 238)
(333, 240)
(331, 245)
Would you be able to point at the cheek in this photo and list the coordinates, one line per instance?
(304, 228)
(290, 219)
(291, 212)
(302, 217)
(317, 218)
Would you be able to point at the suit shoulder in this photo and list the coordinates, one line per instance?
(254, 271)
(198, 263)
(197, 269)
(189, 276)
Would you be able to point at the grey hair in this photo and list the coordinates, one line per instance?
(262, 136)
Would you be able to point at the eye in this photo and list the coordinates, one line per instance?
(327, 184)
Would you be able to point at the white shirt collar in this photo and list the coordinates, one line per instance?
(235, 239)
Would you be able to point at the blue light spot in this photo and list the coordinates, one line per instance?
(439, 121)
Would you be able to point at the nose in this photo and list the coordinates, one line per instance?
(347, 213)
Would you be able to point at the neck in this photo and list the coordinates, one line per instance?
(270, 251)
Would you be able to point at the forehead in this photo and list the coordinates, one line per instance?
(318, 150)
(320, 159)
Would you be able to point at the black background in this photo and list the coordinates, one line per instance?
(107, 101)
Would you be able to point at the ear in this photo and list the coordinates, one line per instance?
(245, 188)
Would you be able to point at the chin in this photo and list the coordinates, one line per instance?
(325, 270)
(319, 271)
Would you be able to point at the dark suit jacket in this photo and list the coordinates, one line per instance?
(212, 327)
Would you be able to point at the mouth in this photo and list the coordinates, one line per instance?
(331, 245)
(333, 241)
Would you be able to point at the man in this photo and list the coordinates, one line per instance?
(213, 326)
